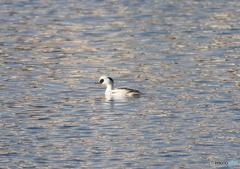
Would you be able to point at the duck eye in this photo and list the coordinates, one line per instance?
(101, 81)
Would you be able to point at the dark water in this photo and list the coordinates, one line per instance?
(184, 55)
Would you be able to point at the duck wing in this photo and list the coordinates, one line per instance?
(129, 90)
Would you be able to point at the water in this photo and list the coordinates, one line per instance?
(184, 55)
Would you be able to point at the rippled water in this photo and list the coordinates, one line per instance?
(184, 55)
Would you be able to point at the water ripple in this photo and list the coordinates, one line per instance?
(184, 57)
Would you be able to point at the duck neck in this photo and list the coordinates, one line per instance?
(109, 88)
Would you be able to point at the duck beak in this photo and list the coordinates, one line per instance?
(97, 83)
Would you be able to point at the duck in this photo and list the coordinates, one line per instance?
(111, 91)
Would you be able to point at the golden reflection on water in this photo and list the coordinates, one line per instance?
(183, 57)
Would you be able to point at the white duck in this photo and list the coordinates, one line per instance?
(110, 91)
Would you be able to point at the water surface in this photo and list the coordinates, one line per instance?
(184, 55)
